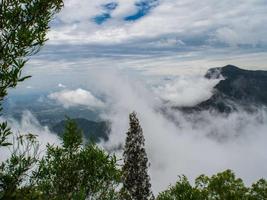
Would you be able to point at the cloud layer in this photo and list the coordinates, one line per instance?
(189, 144)
(189, 22)
(193, 144)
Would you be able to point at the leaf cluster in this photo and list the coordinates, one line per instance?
(222, 186)
(23, 28)
(75, 170)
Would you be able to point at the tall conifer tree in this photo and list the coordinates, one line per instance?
(136, 181)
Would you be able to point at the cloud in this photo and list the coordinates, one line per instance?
(175, 37)
(193, 144)
(29, 124)
(192, 22)
(78, 97)
(228, 36)
(189, 144)
(60, 85)
(186, 90)
(29, 87)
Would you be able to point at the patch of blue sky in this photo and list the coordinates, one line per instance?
(100, 19)
(144, 7)
(107, 9)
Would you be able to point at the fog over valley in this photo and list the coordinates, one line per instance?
(177, 141)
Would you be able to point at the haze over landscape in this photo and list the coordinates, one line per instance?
(105, 59)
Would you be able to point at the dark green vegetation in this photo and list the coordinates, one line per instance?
(75, 169)
(23, 26)
(222, 186)
(135, 178)
(242, 85)
(69, 171)
(91, 130)
(239, 89)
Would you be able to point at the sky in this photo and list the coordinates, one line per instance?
(126, 55)
(167, 23)
(151, 38)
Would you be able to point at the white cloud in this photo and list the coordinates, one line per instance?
(190, 144)
(61, 85)
(186, 90)
(125, 8)
(78, 97)
(193, 144)
(185, 147)
(29, 124)
(205, 21)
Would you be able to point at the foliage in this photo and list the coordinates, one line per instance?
(92, 130)
(4, 133)
(182, 190)
(136, 181)
(72, 137)
(23, 28)
(75, 171)
(258, 190)
(14, 176)
(23, 25)
(222, 186)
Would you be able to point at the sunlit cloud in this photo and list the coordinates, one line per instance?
(79, 97)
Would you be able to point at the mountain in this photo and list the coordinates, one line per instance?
(92, 130)
(239, 88)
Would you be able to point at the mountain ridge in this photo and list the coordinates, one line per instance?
(239, 88)
(92, 130)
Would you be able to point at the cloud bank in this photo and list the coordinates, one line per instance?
(186, 90)
(188, 22)
(203, 142)
(78, 97)
(191, 144)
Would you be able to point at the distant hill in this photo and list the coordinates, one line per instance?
(91, 129)
(246, 89)
(45, 110)
(53, 115)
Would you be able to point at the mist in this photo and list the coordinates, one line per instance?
(28, 124)
(191, 144)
